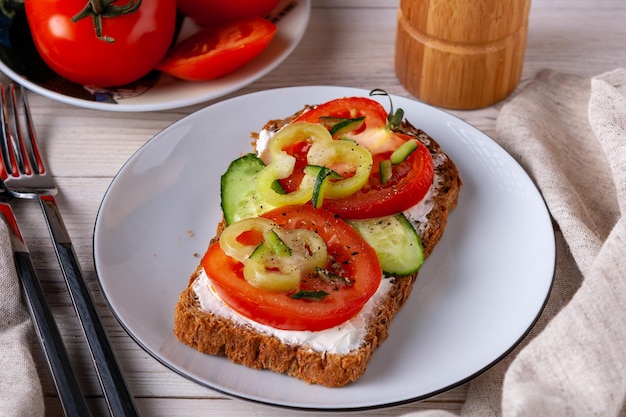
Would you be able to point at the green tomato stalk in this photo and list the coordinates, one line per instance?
(97, 9)
(394, 119)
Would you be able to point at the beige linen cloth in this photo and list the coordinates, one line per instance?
(20, 388)
(569, 133)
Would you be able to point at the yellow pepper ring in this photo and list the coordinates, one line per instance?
(283, 279)
(324, 151)
(342, 152)
(271, 271)
(282, 164)
(228, 238)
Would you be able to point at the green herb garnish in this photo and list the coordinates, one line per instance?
(310, 295)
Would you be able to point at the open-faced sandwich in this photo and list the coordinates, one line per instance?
(325, 228)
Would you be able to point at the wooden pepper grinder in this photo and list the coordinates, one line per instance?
(461, 54)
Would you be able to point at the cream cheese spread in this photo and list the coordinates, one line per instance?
(339, 339)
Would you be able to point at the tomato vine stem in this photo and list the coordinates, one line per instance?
(97, 9)
(394, 120)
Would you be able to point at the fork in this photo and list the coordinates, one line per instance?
(29, 178)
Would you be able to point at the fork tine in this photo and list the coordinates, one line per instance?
(36, 160)
(9, 162)
(4, 155)
(23, 148)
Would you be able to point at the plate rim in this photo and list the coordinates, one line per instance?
(287, 406)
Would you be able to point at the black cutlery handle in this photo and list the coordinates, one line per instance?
(68, 388)
(114, 386)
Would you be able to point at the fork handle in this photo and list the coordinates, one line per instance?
(68, 388)
(114, 387)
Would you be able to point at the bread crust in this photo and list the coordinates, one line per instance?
(216, 335)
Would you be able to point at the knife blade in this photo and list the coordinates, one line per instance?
(66, 382)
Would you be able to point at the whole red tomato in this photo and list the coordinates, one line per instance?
(133, 37)
(206, 12)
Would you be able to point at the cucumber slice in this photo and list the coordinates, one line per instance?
(276, 243)
(397, 244)
(240, 198)
(259, 252)
(341, 125)
(385, 170)
(404, 151)
(322, 174)
(347, 126)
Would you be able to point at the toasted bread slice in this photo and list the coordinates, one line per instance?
(215, 334)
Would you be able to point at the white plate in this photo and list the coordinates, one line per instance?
(19, 60)
(475, 298)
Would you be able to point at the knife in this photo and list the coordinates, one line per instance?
(65, 380)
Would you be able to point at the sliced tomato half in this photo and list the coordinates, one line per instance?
(218, 50)
(349, 256)
(410, 179)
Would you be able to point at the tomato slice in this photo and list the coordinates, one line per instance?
(373, 134)
(408, 185)
(349, 108)
(218, 50)
(346, 249)
(410, 179)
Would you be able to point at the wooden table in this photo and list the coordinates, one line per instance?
(347, 43)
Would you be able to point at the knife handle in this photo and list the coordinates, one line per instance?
(114, 387)
(70, 394)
